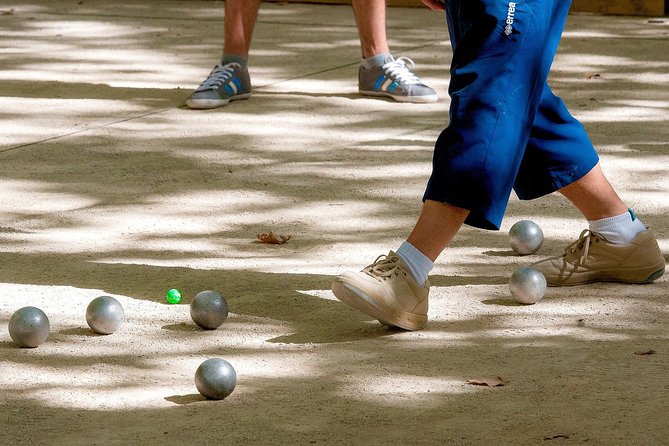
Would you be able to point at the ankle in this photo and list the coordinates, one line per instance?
(417, 263)
(375, 60)
(233, 58)
(619, 229)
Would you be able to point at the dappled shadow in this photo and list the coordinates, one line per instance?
(79, 331)
(8, 344)
(182, 326)
(508, 302)
(186, 399)
(346, 329)
(109, 185)
(456, 280)
(507, 253)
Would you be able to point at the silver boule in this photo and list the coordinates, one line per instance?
(209, 309)
(215, 379)
(527, 285)
(526, 237)
(29, 327)
(104, 315)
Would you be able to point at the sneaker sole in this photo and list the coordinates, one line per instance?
(358, 299)
(204, 104)
(613, 276)
(424, 99)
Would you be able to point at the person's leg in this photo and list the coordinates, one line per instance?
(230, 80)
(240, 19)
(497, 75)
(593, 195)
(380, 74)
(370, 17)
(617, 247)
(560, 157)
(436, 226)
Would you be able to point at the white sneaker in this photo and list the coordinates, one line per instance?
(386, 291)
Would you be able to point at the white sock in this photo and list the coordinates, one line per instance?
(620, 229)
(376, 60)
(419, 265)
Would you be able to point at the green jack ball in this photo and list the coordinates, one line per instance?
(173, 296)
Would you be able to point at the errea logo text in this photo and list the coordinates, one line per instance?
(511, 13)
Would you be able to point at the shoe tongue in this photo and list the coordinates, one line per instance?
(389, 58)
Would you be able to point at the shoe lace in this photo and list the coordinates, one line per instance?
(384, 266)
(582, 244)
(218, 76)
(400, 71)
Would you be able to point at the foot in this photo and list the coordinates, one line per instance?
(395, 79)
(592, 258)
(227, 82)
(386, 291)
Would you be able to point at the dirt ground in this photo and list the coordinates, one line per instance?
(108, 185)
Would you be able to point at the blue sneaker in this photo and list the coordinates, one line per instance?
(227, 82)
(395, 79)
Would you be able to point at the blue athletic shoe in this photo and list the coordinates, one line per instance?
(227, 82)
(395, 79)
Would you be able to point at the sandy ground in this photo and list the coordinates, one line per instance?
(108, 185)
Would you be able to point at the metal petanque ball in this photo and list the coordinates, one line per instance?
(215, 379)
(526, 237)
(208, 309)
(29, 327)
(527, 285)
(104, 315)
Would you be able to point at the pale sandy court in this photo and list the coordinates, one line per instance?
(108, 185)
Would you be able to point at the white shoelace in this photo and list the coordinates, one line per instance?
(583, 242)
(400, 71)
(383, 266)
(219, 75)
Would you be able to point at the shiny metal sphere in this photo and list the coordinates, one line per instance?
(29, 327)
(215, 379)
(104, 315)
(526, 237)
(527, 285)
(208, 309)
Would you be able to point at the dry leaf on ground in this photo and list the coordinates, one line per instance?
(645, 352)
(273, 239)
(497, 381)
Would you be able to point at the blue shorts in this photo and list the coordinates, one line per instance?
(507, 130)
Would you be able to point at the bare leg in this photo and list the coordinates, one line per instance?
(594, 196)
(370, 16)
(240, 18)
(437, 225)
(439, 222)
(623, 251)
